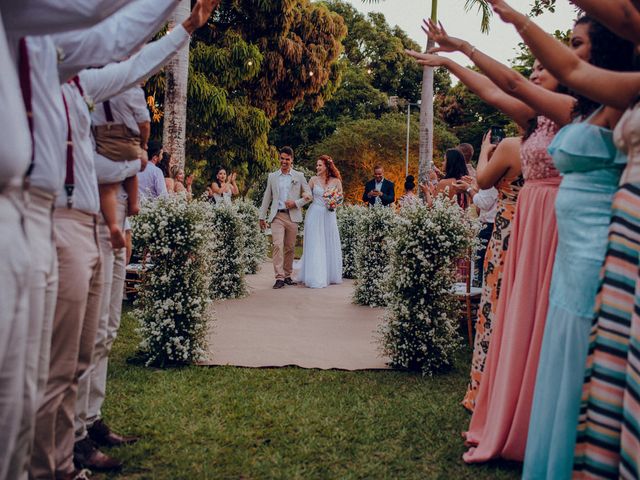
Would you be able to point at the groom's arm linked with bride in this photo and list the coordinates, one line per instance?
(286, 193)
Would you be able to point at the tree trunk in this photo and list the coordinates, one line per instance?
(426, 112)
(175, 97)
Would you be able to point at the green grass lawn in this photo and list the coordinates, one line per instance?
(288, 423)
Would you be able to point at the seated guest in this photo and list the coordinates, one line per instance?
(223, 187)
(379, 190)
(454, 169)
(151, 182)
(409, 197)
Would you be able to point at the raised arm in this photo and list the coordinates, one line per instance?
(114, 39)
(496, 161)
(42, 17)
(619, 16)
(488, 91)
(556, 106)
(615, 89)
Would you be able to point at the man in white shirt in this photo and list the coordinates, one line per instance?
(80, 282)
(286, 193)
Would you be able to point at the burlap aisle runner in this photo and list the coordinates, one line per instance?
(310, 328)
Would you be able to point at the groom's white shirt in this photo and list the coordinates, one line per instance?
(298, 191)
(284, 185)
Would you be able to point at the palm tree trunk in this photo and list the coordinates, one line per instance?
(175, 98)
(426, 112)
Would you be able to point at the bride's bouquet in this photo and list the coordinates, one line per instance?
(332, 198)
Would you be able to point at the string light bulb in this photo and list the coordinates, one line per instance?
(311, 74)
(249, 63)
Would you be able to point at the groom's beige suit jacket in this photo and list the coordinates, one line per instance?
(299, 193)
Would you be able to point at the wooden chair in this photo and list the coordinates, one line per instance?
(466, 292)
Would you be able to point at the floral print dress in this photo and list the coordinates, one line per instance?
(508, 189)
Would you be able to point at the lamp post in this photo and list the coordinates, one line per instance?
(406, 163)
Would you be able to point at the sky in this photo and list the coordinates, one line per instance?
(501, 40)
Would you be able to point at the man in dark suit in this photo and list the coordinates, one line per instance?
(379, 189)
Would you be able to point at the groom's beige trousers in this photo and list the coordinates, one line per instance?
(283, 235)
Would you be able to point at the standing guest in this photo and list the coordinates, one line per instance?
(585, 152)
(41, 70)
(151, 182)
(79, 292)
(379, 190)
(286, 193)
(223, 187)
(409, 197)
(467, 151)
(182, 185)
(486, 200)
(165, 166)
(454, 169)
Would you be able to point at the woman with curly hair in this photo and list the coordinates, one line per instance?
(321, 263)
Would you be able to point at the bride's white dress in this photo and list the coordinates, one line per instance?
(321, 263)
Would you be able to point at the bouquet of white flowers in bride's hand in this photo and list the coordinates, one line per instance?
(332, 198)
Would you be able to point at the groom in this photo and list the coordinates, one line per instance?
(287, 192)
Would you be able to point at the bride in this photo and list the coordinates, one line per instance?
(321, 263)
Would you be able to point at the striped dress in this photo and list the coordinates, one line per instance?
(608, 440)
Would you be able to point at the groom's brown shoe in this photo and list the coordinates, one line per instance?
(288, 281)
(278, 284)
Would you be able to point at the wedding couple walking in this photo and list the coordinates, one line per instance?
(286, 193)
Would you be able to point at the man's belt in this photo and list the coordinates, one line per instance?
(283, 210)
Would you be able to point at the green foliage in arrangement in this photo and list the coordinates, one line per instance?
(372, 255)
(172, 306)
(420, 329)
(348, 220)
(255, 244)
(227, 250)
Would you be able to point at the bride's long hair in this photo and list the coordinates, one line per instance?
(332, 170)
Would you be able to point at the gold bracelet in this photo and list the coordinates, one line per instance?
(524, 27)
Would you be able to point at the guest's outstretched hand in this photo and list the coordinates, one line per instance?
(427, 59)
(439, 35)
(199, 15)
(504, 11)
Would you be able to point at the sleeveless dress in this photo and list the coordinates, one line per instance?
(224, 198)
(586, 156)
(500, 420)
(321, 263)
(508, 191)
(608, 444)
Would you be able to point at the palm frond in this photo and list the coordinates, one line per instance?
(483, 8)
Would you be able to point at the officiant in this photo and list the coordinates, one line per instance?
(379, 190)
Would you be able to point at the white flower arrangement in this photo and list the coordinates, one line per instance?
(255, 244)
(173, 303)
(227, 251)
(374, 232)
(420, 331)
(348, 218)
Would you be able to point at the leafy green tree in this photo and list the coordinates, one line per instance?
(252, 65)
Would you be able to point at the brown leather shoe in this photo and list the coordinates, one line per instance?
(278, 284)
(102, 436)
(87, 455)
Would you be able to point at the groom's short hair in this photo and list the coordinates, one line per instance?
(288, 151)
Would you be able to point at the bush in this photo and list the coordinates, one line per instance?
(172, 306)
(348, 218)
(374, 231)
(255, 243)
(227, 252)
(420, 329)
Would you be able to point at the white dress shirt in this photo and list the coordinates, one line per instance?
(15, 149)
(487, 202)
(284, 185)
(99, 85)
(49, 119)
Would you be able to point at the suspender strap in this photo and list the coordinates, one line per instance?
(107, 111)
(25, 86)
(76, 81)
(69, 182)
